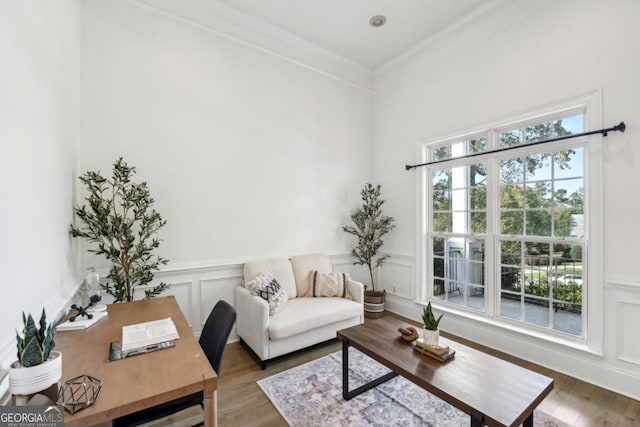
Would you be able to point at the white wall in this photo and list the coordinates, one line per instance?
(525, 61)
(246, 153)
(39, 128)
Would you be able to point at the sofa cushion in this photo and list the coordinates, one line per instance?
(329, 285)
(304, 314)
(267, 287)
(303, 265)
(280, 268)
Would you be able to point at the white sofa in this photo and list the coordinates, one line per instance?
(302, 321)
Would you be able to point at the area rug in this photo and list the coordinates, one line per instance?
(311, 395)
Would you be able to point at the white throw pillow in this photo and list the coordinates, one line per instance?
(267, 287)
(328, 285)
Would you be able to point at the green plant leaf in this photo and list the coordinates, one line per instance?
(32, 353)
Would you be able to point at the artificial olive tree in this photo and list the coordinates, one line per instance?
(120, 221)
(369, 225)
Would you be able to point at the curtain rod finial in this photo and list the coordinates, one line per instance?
(621, 127)
(408, 167)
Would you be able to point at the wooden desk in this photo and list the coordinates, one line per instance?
(493, 391)
(142, 381)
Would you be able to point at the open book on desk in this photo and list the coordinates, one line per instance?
(148, 334)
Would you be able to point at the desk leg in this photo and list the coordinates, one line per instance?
(346, 394)
(210, 399)
(529, 421)
(476, 418)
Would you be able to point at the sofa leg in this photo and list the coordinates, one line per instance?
(263, 364)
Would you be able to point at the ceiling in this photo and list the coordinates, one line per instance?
(337, 27)
(342, 26)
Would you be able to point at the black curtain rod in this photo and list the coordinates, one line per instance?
(620, 127)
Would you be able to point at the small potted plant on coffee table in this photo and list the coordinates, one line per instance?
(431, 331)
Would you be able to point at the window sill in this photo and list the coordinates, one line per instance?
(517, 331)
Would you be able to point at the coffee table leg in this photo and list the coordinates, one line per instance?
(476, 418)
(529, 421)
(348, 395)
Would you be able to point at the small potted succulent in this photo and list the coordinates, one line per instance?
(431, 331)
(38, 367)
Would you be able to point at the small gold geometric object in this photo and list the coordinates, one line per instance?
(79, 393)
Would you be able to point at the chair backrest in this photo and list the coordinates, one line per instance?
(216, 331)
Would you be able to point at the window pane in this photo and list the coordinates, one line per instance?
(510, 306)
(536, 312)
(538, 223)
(511, 138)
(442, 222)
(538, 132)
(511, 196)
(476, 145)
(542, 131)
(511, 222)
(438, 289)
(479, 222)
(512, 171)
(460, 148)
(569, 164)
(441, 153)
(478, 198)
(538, 167)
(538, 195)
(569, 192)
(539, 242)
(459, 271)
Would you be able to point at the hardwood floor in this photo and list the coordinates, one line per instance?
(242, 403)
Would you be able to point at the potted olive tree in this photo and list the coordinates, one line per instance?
(369, 226)
(38, 367)
(120, 220)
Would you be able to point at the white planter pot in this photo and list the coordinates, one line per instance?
(431, 337)
(35, 378)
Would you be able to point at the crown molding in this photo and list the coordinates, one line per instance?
(487, 19)
(218, 18)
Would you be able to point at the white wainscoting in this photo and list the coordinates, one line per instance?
(622, 302)
(197, 287)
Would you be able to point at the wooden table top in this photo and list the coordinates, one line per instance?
(137, 382)
(505, 393)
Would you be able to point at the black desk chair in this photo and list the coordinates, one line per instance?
(213, 340)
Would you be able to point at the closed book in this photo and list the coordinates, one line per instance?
(439, 350)
(81, 322)
(439, 357)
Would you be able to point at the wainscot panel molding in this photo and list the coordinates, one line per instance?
(616, 369)
(397, 275)
(212, 290)
(622, 301)
(198, 286)
(628, 342)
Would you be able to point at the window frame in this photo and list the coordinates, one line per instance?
(590, 106)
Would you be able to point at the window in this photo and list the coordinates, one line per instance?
(505, 234)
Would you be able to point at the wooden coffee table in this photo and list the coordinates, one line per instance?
(492, 391)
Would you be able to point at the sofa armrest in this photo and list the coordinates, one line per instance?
(356, 289)
(252, 321)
